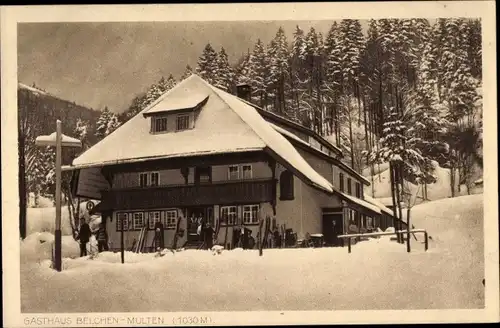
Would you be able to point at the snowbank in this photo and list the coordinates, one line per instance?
(42, 219)
(378, 274)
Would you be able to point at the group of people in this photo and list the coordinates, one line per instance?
(85, 233)
(206, 233)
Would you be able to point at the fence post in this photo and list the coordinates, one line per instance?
(349, 244)
(426, 240)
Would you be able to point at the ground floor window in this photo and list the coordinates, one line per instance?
(250, 214)
(121, 217)
(171, 219)
(228, 215)
(138, 220)
(154, 217)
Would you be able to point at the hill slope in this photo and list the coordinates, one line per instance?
(439, 190)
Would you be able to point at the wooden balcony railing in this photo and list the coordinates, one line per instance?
(230, 192)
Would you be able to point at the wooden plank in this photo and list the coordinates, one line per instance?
(373, 234)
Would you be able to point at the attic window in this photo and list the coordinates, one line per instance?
(158, 124)
(182, 122)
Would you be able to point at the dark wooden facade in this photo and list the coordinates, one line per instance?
(226, 193)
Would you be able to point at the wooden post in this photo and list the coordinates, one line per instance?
(349, 244)
(122, 244)
(57, 251)
(260, 237)
(426, 236)
(272, 165)
(408, 248)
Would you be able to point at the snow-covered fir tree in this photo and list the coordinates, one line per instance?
(224, 73)
(279, 70)
(113, 124)
(297, 68)
(153, 93)
(243, 70)
(207, 64)
(187, 72)
(107, 123)
(258, 73)
(81, 132)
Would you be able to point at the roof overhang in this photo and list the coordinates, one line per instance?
(191, 106)
(359, 204)
(145, 159)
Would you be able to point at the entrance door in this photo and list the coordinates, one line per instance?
(195, 216)
(332, 227)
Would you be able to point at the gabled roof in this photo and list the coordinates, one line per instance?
(225, 124)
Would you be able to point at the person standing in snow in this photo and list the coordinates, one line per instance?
(159, 235)
(84, 236)
(102, 238)
(208, 236)
(199, 230)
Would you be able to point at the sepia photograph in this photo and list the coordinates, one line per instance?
(222, 165)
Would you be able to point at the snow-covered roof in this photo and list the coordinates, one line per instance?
(218, 129)
(379, 204)
(185, 98)
(295, 124)
(290, 134)
(273, 139)
(361, 202)
(225, 124)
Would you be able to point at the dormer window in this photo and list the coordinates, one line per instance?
(159, 124)
(176, 113)
(182, 122)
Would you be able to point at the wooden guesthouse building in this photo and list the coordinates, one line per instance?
(200, 152)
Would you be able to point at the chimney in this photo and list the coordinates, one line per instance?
(243, 91)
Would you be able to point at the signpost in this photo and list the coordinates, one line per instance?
(58, 140)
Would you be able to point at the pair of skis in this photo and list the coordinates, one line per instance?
(139, 247)
(263, 238)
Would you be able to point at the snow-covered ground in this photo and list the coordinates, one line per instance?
(378, 274)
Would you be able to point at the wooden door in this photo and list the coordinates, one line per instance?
(332, 228)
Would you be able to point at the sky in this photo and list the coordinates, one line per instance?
(108, 64)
